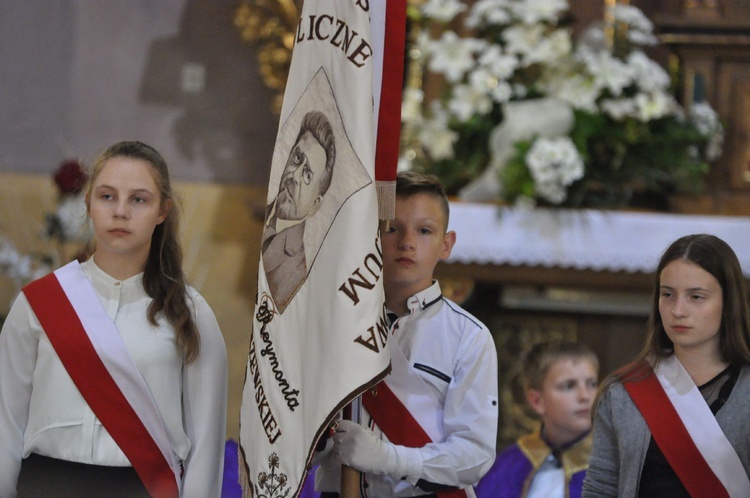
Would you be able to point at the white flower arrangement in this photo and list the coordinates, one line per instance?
(630, 134)
(69, 222)
(22, 268)
(554, 164)
(705, 119)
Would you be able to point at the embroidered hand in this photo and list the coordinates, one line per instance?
(359, 448)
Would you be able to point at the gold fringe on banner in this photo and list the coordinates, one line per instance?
(247, 486)
(386, 192)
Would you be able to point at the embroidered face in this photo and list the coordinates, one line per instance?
(690, 305)
(125, 206)
(300, 188)
(413, 244)
(564, 402)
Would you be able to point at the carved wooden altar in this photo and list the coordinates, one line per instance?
(711, 41)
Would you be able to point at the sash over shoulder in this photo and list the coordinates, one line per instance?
(395, 405)
(94, 355)
(687, 432)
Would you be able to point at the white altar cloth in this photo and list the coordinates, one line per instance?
(582, 239)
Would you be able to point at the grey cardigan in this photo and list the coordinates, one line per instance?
(621, 438)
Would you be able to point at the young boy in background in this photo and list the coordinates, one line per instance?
(431, 426)
(560, 378)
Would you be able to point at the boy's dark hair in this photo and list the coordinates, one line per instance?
(410, 183)
(541, 356)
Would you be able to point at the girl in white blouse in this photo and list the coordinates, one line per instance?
(113, 372)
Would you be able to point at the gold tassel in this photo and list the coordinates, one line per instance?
(386, 192)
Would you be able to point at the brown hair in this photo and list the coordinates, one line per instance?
(410, 183)
(163, 278)
(716, 257)
(539, 359)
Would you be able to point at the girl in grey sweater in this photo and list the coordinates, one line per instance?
(698, 342)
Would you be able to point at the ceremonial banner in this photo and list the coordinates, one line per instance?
(320, 332)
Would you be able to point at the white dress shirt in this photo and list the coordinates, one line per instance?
(454, 354)
(549, 481)
(41, 410)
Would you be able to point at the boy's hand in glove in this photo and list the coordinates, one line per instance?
(359, 448)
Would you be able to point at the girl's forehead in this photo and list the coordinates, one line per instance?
(126, 170)
(682, 273)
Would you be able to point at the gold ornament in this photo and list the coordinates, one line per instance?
(271, 25)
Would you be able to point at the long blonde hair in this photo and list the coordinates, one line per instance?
(163, 278)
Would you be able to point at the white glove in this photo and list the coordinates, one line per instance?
(359, 448)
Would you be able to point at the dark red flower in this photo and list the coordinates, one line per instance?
(70, 177)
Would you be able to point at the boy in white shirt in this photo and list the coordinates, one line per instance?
(430, 428)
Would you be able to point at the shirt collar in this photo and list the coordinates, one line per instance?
(564, 447)
(282, 225)
(426, 298)
(100, 276)
(574, 457)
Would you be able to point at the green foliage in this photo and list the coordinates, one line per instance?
(636, 163)
(638, 146)
(628, 163)
(515, 177)
(471, 154)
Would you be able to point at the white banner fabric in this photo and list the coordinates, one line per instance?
(319, 332)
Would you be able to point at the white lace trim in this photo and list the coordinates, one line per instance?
(582, 239)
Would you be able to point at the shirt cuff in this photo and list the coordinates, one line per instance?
(410, 464)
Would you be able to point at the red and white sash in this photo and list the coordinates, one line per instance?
(406, 410)
(94, 354)
(687, 432)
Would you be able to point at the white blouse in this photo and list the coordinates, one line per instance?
(41, 410)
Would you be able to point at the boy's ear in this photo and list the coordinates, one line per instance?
(449, 239)
(536, 401)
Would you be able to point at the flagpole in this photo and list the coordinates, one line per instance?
(386, 155)
(349, 482)
(349, 487)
